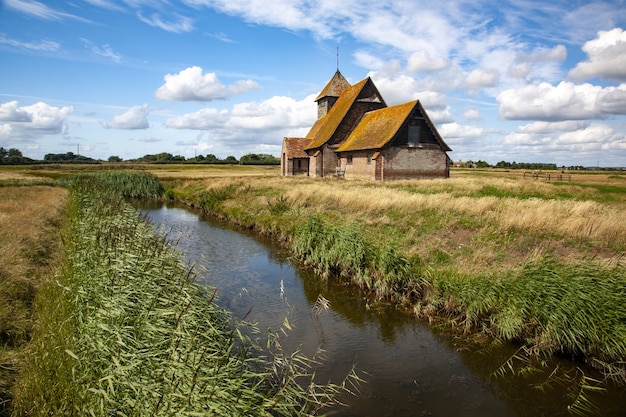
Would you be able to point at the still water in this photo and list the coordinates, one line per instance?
(410, 370)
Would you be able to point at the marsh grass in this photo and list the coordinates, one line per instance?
(126, 330)
(30, 219)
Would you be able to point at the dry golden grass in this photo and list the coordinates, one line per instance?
(181, 172)
(570, 219)
(471, 222)
(30, 219)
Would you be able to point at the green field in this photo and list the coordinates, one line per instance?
(494, 254)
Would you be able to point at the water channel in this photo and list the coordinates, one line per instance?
(410, 369)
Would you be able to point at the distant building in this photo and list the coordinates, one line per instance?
(357, 135)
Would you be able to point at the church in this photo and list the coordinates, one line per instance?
(357, 136)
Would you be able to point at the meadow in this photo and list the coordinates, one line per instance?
(490, 253)
(495, 255)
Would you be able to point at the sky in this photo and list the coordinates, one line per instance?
(507, 80)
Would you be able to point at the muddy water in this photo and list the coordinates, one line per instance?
(410, 369)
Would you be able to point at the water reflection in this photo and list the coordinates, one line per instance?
(410, 370)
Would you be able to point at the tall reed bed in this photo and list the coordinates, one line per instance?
(343, 249)
(126, 330)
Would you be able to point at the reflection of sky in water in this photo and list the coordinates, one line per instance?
(410, 371)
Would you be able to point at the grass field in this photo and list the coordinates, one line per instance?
(536, 262)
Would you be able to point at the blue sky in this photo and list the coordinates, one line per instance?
(525, 81)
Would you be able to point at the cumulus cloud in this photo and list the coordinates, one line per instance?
(33, 121)
(472, 114)
(566, 101)
(456, 130)
(606, 57)
(482, 78)
(592, 138)
(192, 85)
(275, 113)
(135, 118)
(551, 127)
(422, 61)
(203, 119)
(11, 112)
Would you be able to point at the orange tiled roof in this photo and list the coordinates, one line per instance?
(335, 86)
(323, 128)
(294, 147)
(378, 127)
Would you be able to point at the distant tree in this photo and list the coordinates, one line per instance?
(68, 157)
(231, 160)
(114, 158)
(13, 156)
(259, 159)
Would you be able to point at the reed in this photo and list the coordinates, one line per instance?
(126, 330)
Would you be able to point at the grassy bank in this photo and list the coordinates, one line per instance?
(30, 220)
(519, 260)
(125, 329)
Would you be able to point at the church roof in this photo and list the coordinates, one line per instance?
(294, 147)
(324, 127)
(379, 127)
(335, 86)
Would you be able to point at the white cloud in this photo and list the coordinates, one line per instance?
(593, 139)
(275, 113)
(482, 78)
(455, 130)
(566, 101)
(43, 45)
(135, 118)
(40, 10)
(557, 54)
(192, 85)
(104, 51)
(28, 122)
(367, 60)
(181, 24)
(203, 119)
(11, 112)
(607, 57)
(422, 61)
(551, 127)
(472, 115)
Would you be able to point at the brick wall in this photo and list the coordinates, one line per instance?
(407, 163)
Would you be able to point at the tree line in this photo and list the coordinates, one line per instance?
(14, 156)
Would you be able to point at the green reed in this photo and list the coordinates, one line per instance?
(127, 331)
(344, 249)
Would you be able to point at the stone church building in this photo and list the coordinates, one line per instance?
(356, 135)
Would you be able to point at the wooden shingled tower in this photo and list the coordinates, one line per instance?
(329, 95)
